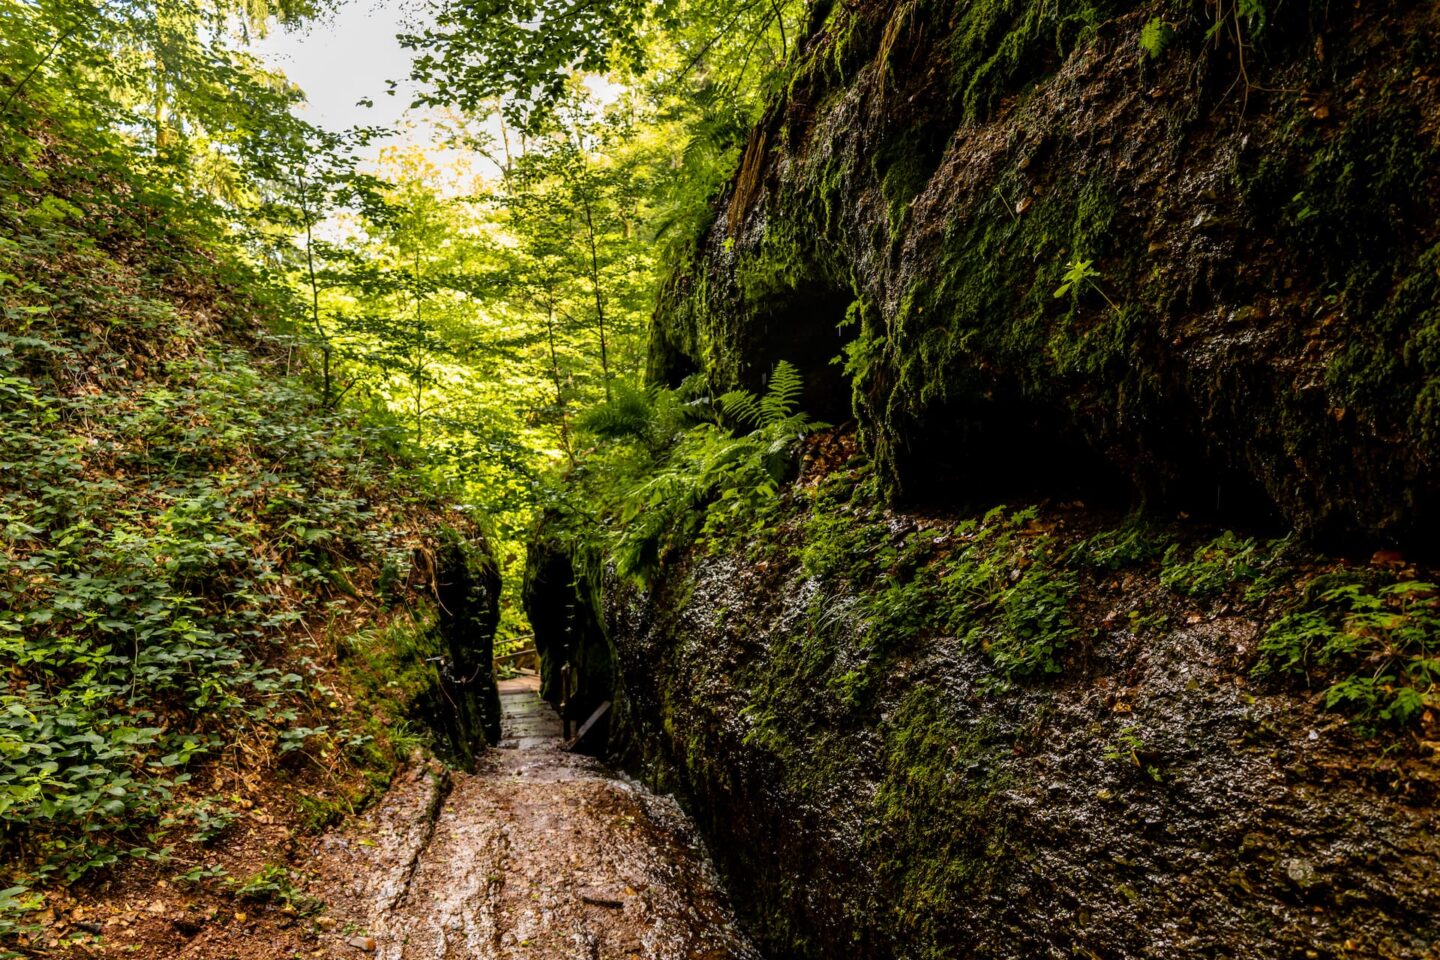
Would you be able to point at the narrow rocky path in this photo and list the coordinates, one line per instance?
(539, 854)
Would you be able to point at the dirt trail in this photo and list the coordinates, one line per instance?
(538, 854)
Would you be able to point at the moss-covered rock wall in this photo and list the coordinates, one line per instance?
(1243, 222)
(561, 593)
(466, 585)
(1039, 261)
(1035, 732)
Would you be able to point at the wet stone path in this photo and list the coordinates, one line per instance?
(527, 722)
(539, 854)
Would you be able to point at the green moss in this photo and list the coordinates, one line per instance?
(997, 46)
(993, 582)
(993, 46)
(943, 345)
(390, 666)
(1358, 203)
(394, 671)
(933, 829)
(319, 813)
(905, 165)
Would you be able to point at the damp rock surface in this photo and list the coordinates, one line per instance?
(539, 853)
(1151, 798)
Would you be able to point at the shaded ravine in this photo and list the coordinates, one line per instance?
(540, 853)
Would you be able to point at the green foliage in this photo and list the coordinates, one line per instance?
(1237, 20)
(628, 414)
(207, 819)
(1126, 749)
(1081, 273)
(993, 582)
(393, 666)
(1378, 643)
(175, 510)
(1134, 543)
(524, 55)
(197, 875)
(1225, 563)
(702, 479)
(273, 883)
(777, 411)
(1155, 37)
(132, 606)
(16, 904)
(1023, 602)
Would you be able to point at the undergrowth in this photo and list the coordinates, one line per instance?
(1371, 642)
(688, 467)
(995, 582)
(1227, 562)
(184, 528)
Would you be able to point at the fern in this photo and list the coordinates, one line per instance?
(1155, 37)
(780, 403)
(629, 413)
(782, 400)
(742, 407)
(709, 480)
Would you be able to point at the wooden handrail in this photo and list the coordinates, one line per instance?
(515, 654)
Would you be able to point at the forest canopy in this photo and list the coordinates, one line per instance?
(477, 292)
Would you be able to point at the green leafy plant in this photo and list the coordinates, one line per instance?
(1377, 645)
(197, 875)
(1022, 598)
(1226, 562)
(993, 582)
(1156, 36)
(1081, 275)
(1127, 749)
(16, 905)
(1130, 545)
(719, 467)
(274, 884)
(207, 819)
(629, 413)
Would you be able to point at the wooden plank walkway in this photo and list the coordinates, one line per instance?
(526, 721)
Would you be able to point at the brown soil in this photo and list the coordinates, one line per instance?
(540, 853)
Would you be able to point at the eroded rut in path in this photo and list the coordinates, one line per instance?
(539, 854)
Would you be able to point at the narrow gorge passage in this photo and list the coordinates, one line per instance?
(540, 853)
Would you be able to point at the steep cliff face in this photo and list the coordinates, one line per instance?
(562, 592)
(1059, 268)
(1035, 733)
(467, 594)
(1244, 225)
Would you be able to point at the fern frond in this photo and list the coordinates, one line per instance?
(629, 413)
(741, 405)
(783, 398)
(1155, 37)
